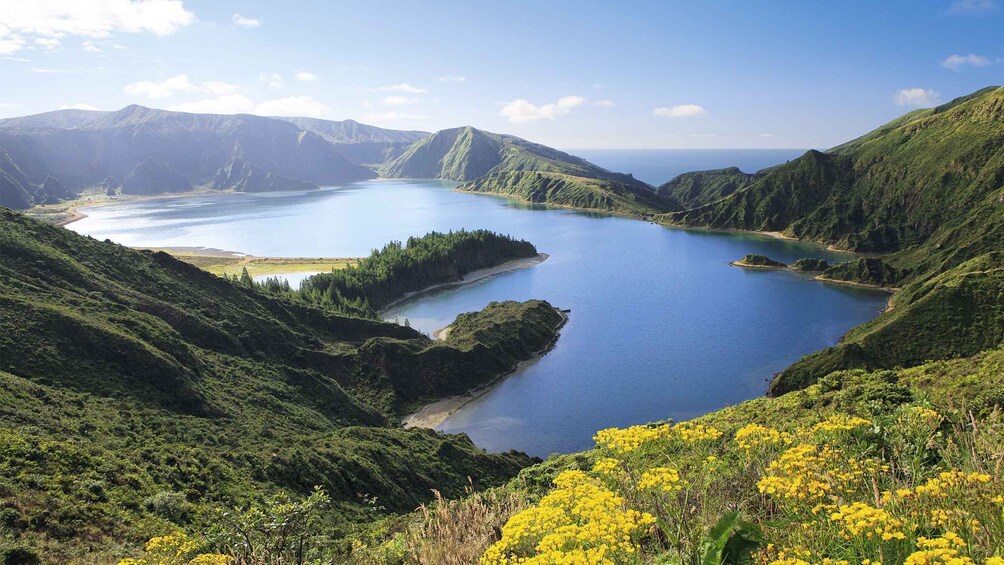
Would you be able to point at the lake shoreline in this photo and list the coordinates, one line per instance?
(470, 278)
(433, 414)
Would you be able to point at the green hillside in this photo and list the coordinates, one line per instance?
(571, 191)
(957, 313)
(466, 154)
(860, 466)
(698, 188)
(926, 191)
(932, 179)
(140, 395)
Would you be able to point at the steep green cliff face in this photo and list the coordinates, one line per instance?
(572, 191)
(138, 393)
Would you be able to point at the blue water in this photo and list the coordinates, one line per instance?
(656, 166)
(660, 325)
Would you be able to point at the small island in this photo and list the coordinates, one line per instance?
(753, 261)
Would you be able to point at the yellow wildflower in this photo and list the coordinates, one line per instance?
(754, 436)
(664, 479)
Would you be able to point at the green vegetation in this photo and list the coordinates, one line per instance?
(571, 191)
(466, 154)
(957, 313)
(759, 262)
(390, 273)
(228, 264)
(867, 271)
(510, 166)
(927, 186)
(140, 396)
(925, 190)
(810, 265)
(698, 188)
(853, 457)
(771, 480)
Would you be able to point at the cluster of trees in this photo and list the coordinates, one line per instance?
(397, 269)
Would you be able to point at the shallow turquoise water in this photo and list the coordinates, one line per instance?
(661, 326)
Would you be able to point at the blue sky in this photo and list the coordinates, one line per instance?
(567, 74)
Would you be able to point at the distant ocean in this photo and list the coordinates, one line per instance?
(656, 166)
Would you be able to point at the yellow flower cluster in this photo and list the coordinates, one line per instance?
(606, 467)
(580, 521)
(626, 440)
(694, 433)
(662, 479)
(860, 519)
(176, 549)
(941, 550)
(948, 481)
(841, 423)
(923, 414)
(814, 474)
(754, 436)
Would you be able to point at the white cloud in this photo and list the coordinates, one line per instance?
(163, 89)
(48, 43)
(293, 106)
(90, 47)
(680, 111)
(304, 76)
(521, 110)
(955, 61)
(46, 71)
(176, 84)
(400, 87)
(44, 22)
(10, 44)
(219, 88)
(17, 59)
(274, 80)
(921, 97)
(231, 104)
(963, 7)
(78, 107)
(245, 22)
(452, 78)
(397, 100)
(604, 103)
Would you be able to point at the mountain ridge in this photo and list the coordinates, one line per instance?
(86, 149)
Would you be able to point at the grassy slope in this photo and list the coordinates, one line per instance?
(466, 153)
(957, 313)
(507, 165)
(571, 191)
(924, 189)
(930, 179)
(137, 392)
(698, 188)
(469, 526)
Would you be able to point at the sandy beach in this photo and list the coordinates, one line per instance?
(472, 277)
(435, 413)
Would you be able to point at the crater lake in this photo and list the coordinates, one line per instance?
(661, 326)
